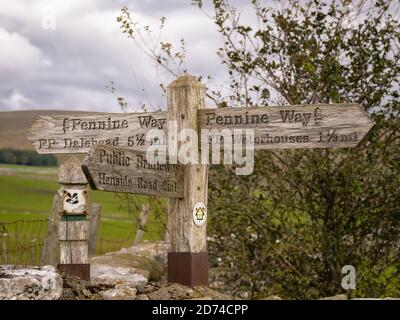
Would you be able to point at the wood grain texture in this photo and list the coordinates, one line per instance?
(73, 235)
(94, 224)
(74, 230)
(144, 213)
(49, 254)
(77, 133)
(4, 248)
(73, 252)
(295, 126)
(185, 96)
(70, 172)
(122, 170)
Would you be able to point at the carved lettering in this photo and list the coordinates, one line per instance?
(142, 163)
(112, 180)
(122, 170)
(73, 124)
(234, 120)
(147, 184)
(82, 143)
(114, 158)
(151, 122)
(293, 116)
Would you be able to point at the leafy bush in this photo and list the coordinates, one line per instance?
(291, 226)
(302, 215)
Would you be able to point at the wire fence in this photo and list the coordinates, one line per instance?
(21, 241)
(113, 237)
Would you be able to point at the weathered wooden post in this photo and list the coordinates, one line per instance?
(4, 253)
(74, 231)
(144, 213)
(94, 223)
(33, 249)
(50, 244)
(187, 259)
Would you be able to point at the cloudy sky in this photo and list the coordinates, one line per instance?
(57, 54)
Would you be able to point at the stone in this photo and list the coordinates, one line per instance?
(74, 282)
(205, 292)
(77, 289)
(30, 283)
(68, 295)
(145, 289)
(335, 297)
(245, 295)
(105, 274)
(173, 291)
(272, 298)
(202, 298)
(120, 292)
(86, 293)
(141, 261)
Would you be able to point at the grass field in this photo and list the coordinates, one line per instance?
(26, 193)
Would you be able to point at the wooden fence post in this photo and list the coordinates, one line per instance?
(143, 220)
(4, 253)
(94, 223)
(188, 259)
(33, 250)
(167, 237)
(51, 244)
(74, 229)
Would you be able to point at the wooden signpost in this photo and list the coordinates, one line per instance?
(122, 170)
(73, 227)
(79, 133)
(292, 127)
(116, 160)
(187, 259)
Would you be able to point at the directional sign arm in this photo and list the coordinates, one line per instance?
(294, 126)
(123, 170)
(77, 133)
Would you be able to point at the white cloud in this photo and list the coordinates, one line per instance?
(16, 100)
(70, 66)
(18, 55)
